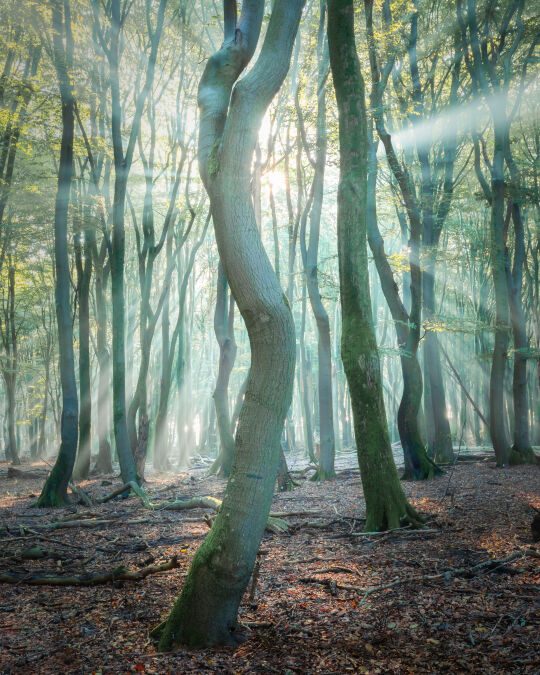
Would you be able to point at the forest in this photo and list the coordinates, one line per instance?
(269, 336)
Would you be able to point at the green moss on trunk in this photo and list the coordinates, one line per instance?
(522, 456)
(386, 505)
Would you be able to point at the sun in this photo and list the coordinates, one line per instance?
(276, 180)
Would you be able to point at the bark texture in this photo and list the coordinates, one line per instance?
(54, 492)
(206, 610)
(386, 506)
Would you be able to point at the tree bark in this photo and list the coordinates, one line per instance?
(310, 256)
(224, 330)
(418, 466)
(205, 613)
(54, 492)
(386, 505)
(84, 273)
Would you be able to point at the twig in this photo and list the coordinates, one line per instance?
(405, 530)
(54, 541)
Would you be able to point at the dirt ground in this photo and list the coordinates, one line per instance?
(320, 604)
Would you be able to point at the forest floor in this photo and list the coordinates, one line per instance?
(314, 610)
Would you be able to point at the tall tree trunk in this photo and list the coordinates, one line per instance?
(160, 459)
(43, 417)
(224, 330)
(521, 451)
(104, 459)
(497, 428)
(418, 466)
(206, 611)
(122, 165)
(12, 453)
(386, 505)
(84, 273)
(305, 383)
(310, 259)
(54, 492)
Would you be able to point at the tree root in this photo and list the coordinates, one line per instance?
(118, 574)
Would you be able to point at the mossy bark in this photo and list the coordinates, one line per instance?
(418, 465)
(386, 505)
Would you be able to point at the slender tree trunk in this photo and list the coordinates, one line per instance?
(43, 418)
(84, 272)
(122, 166)
(310, 259)
(418, 466)
(497, 428)
(160, 459)
(104, 459)
(224, 330)
(521, 451)
(12, 453)
(54, 491)
(386, 505)
(305, 382)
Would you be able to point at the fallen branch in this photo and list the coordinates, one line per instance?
(463, 571)
(404, 530)
(125, 488)
(336, 569)
(62, 524)
(118, 574)
(275, 523)
(83, 496)
(19, 473)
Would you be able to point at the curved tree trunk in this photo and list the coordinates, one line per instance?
(122, 165)
(206, 611)
(386, 505)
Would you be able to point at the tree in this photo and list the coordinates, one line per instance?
(118, 13)
(491, 41)
(205, 612)
(418, 465)
(54, 492)
(224, 330)
(386, 505)
(310, 254)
